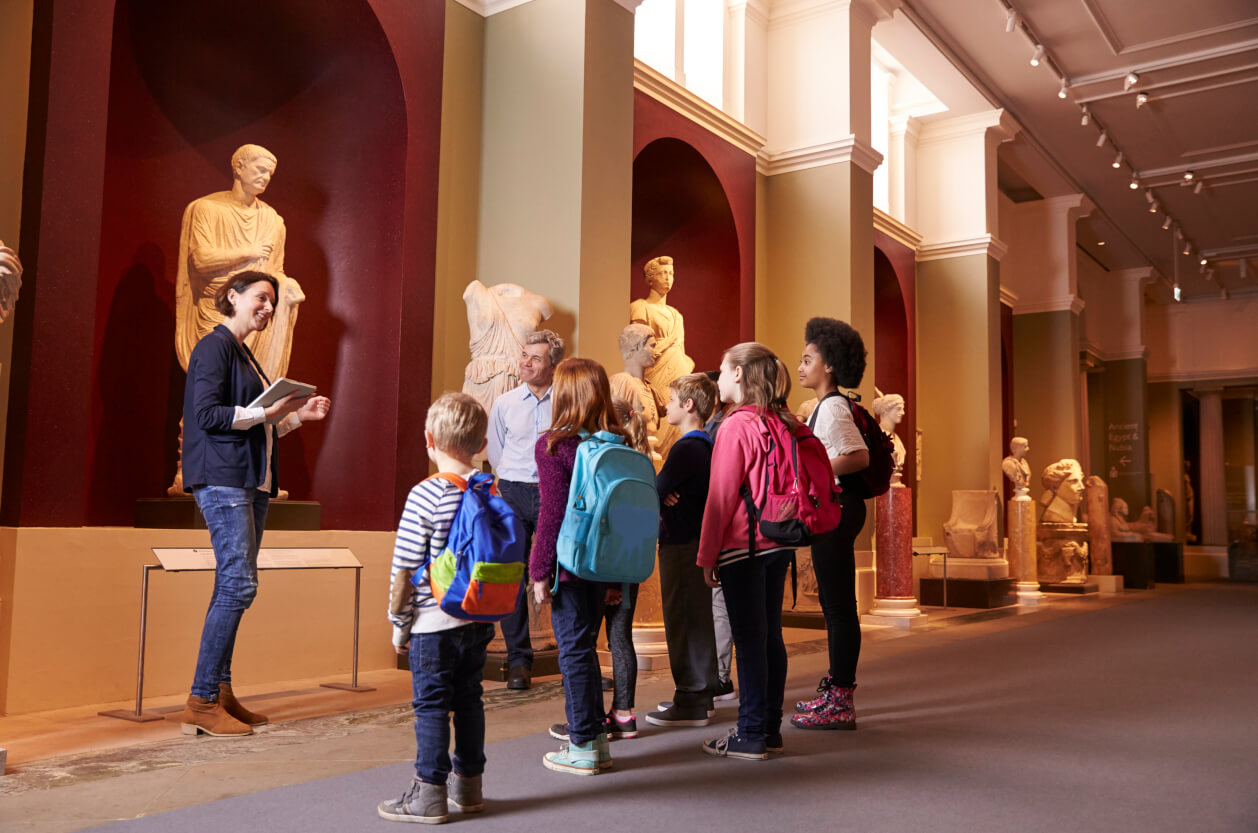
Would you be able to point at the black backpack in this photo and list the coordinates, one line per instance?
(874, 479)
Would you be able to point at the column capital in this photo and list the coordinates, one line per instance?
(788, 12)
(906, 125)
(757, 11)
(850, 149)
(984, 244)
(1143, 276)
(995, 124)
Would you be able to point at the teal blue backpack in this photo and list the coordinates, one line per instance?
(612, 523)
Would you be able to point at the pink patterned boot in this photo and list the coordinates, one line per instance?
(837, 712)
(823, 688)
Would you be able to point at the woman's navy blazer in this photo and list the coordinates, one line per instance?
(220, 377)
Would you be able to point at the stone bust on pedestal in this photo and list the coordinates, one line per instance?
(1015, 467)
(10, 281)
(1062, 542)
(1064, 489)
(889, 411)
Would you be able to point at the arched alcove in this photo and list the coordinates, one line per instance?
(681, 210)
(893, 353)
(319, 86)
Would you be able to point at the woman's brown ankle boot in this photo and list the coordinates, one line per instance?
(235, 709)
(201, 715)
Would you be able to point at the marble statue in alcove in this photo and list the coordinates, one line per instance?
(499, 318)
(889, 411)
(666, 323)
(10, 281)
(223, 234)
(637, 350)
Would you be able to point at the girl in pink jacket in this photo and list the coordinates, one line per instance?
(756, 383)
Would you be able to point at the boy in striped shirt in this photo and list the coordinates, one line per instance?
(446, 654)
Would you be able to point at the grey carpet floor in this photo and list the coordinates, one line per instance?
(1139, 717)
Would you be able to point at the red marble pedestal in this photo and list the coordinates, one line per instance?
(894, 603)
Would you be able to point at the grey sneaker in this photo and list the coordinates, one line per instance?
(676, 715)
(465, 793)
(423, 803)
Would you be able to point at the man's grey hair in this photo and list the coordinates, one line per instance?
(555, 354)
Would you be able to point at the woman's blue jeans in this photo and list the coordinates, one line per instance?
(235, 518)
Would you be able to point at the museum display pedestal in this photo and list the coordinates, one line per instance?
(1020, 549)
(968, 592)
(649, 645)
(1074, 588)
(1134, 561)
(894, 603)
(182, 513)
(1242, 562)
(1107, 584)
(1168, 562)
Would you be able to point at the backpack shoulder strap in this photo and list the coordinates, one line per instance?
(812, 418)
(449, 478)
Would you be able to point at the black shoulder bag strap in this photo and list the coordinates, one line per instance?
(812, 418)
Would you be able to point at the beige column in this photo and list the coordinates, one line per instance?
(1212, 496)
(958, 299)
(902, 169)
(557, 163)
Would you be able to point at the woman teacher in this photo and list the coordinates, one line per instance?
(229, 465)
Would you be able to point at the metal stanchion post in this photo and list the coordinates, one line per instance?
(353, 680)
(139, 716)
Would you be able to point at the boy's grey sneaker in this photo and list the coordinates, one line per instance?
(676, 715)
(465, 793)
(423, 803)
(559, 731)
(733, 746)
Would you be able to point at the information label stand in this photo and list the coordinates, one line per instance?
(173, 560)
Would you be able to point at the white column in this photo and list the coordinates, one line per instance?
(1042, 264)
(1212, 497)
(902, 169)
(746, 62)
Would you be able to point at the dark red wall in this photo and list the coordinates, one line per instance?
(348, 96)
(895, 338)
(694, 198)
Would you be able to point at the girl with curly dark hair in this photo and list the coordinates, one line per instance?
(833, 360)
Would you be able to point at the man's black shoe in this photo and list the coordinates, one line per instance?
(519, 678)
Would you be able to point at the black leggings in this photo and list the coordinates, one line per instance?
(834, 563)
(619, 621)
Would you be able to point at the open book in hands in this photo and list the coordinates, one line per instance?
(280, 389)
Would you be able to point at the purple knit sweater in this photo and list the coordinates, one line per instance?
(554, 478)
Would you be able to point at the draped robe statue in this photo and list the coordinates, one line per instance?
(499, 318)
(224, 234)
(671, 361)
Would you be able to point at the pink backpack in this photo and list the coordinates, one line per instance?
(800, 499)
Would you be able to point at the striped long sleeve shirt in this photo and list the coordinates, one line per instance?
(421, 537)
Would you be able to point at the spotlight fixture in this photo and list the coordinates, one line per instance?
(1148, 195)
(1103, 138)
(1141, 100)
(1187, 250)
(1154, 207)
(1205, 262)
(1188, 175)
(1166, 224)
(1135, 182)
(1061, 93)
(1011, 20)
(1201, 183)
(1130, 81)
(1179, 294)
(1037, 56)
(1087, 117)
(1100, 242)
(1118, 160)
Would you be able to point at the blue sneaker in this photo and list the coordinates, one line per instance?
(574, 758)
(733, 746)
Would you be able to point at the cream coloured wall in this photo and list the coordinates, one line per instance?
(73, 636)
(1047, 387)
(458, 195)
(1201, 341)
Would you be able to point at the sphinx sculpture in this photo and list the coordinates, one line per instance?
(666, 323)
(1062, 542)
(1144, 529)
(10, 281)
(499, 318)
(223, 234)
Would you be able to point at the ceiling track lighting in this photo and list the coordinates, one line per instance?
(1154, 207)
(1087, 117)
(1037, 56)
(1166, 224)
(1188, 175)
(1118, 160)
(1103, 138)
(1011, 20)
(1178, 293)
(1210, 274)
(1204, 262)
(1197, 188)
(1061, 93)
(1187, 250)
(1130, 80)
(1141, 100)
(1135, 182)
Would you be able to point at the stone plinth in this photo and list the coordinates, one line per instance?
(980, 569)
(894, 603)
(1061, 553)
(1168, 562)
(1098, 527)
(1134, 561)
(648, 624)
(1020, 528)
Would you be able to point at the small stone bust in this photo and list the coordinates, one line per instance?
(1064, 489)
(1017, 470)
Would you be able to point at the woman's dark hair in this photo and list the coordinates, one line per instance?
(841, 348)
(240, 282)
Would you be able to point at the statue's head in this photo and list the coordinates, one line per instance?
(637, 344)
(253, 166)
(1118, 507)
(889, 408)
(1065, 480)
(1019, 446)
(659, 274)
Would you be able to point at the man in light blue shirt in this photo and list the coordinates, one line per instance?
(516, 420)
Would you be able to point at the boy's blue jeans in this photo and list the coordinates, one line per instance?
(446, 671)
(235, 518)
